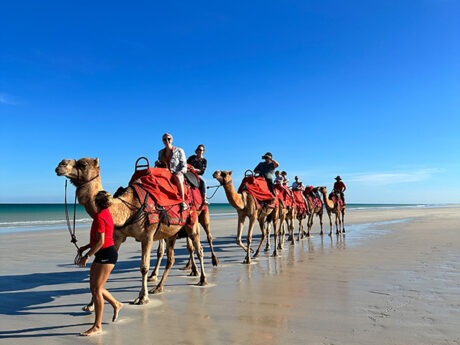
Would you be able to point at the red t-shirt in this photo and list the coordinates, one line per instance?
(102, 223)
(339, 185)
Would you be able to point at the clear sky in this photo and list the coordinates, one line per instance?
(366, 89)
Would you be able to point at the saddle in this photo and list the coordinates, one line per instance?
(299, 202)
(338, 202)
(284, 196)
(258, 188)
(160, 198)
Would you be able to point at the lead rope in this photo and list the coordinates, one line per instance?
(73, 237)
(216, 187)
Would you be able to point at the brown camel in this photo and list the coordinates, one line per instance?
(336, 209)
(84, 174)
(313, 209)
(203, 219)
(245, 205)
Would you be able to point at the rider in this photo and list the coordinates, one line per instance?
(173, 158)
(199, 163)
(339, 188)
(285, 179)
(278, 178)
(297, 185)
(266, 169)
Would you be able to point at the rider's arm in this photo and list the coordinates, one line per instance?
(275, 163)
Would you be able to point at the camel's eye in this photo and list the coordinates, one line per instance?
(81, 165)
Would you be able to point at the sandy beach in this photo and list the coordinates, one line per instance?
(393, 279)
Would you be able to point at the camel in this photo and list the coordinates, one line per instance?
(203, 219)
(313, 209)
(84, 174)
(336, 209)
(245, 205)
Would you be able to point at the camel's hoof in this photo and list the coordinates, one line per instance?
(152, 278)
(343, 231)
(321, 233)
(247, 261)
(141, 300)
(255, 255)
(186, 268)
(215, 261)
(202, 282)
(88, 308)
(307, 235)
(193, 274)
(157, 289)
(275, 254)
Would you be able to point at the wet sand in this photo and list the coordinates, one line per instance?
(393, 279)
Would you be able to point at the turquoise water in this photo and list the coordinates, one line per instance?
(27, 217)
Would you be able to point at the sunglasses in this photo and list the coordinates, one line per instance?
(167, 139)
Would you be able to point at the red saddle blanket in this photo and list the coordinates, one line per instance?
(257, 187)
(161, 200)
(316, 202)
(299, 201)
(337, 201)
(284, 195)
(158, 183)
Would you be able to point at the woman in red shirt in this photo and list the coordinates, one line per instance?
(106, 255)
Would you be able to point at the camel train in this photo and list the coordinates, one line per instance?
(129, 221)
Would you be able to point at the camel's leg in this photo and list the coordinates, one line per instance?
(267, 236)
(310, 223)
(205, 223)
(281, 232)
(337, 223)
(240, 231)
(275, 236)
(320, 215)
(330, 222)
(169, 262)
(145, 264)
(343, 220)
(262, 229)
(195, 237)
(191, 260)
(160, 253)
(252, 222)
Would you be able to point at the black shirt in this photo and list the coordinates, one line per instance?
(198, 163)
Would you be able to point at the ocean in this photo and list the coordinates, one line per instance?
(33, 217)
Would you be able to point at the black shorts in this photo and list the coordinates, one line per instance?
(107, 255)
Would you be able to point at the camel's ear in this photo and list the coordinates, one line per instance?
(230, 173)
(96, 162)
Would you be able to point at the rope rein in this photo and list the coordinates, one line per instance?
(73, 237)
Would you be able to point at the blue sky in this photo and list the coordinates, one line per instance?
(369, 90)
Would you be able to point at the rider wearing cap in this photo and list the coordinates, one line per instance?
(266, 169)
(339, 188)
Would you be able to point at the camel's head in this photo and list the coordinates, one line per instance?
(322, 189)
(79, 171)
(224, 177)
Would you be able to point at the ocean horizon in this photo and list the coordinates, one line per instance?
(18, 217)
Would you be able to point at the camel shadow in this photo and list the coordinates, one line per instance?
(25, 333)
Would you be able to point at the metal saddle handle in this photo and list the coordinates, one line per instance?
(143, 166)
(248, 172)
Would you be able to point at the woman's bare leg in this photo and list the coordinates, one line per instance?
(98, 277)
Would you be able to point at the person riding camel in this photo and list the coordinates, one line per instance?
(339, 188)
(266, 170)
(173, 158)
(285, 179)
(278, 178)
(199, 163)
(297, 185)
